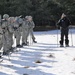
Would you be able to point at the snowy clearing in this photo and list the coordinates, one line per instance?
(42, 58)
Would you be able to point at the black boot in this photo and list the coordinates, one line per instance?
(67, 43)
(61, 44)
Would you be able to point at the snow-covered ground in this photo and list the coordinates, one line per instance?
(42, 58)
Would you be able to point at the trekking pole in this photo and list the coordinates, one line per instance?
(71, 37)
(1, 54)
(9, 55)
(57, 34)
(30, 39)
(57, 37)
(0, 19)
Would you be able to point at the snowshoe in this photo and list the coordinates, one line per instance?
(1, 59)
(5, 53)
(61, 46)
(19, 46)
(12, 49)
(24, 44)
(34, 41)
(67, 45)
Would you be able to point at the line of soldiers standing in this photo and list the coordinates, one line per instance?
(17, 26)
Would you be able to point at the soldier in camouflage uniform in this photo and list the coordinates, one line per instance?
(17, 30)
(1, 36)
(27, 28)
(11, 30)
(25, 31)
(31, 25)
(6, 35)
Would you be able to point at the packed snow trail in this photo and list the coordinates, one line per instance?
(42, 58)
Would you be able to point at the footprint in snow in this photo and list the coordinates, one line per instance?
(74, 59)
(26, 66)
(38, 61)
(51, 55)
(25, 74)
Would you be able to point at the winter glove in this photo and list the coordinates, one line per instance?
(20, 25)
(15, 28)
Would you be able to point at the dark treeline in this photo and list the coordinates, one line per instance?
(44, 12)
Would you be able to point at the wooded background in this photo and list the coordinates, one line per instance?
(44, 12)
